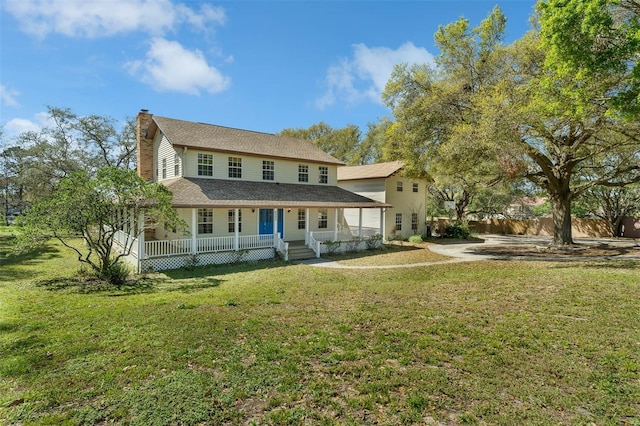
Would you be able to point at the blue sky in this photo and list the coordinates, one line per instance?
(256, 65)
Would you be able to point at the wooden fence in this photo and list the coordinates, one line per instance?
(581, 228)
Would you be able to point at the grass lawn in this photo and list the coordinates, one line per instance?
(276, 343)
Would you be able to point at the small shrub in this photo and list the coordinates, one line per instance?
(415, 239)
(352, 246)
(457, 230)
(374, 242)
(332, 247)
(116, 273)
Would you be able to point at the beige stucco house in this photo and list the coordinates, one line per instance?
(384, 182)
(244, 195)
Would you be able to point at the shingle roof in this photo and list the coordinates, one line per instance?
(370, 171)
(203, 193)
(226, 139)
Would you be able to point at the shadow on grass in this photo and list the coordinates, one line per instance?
(11, 264)
(205, 284)
(138, 285)
(450, 241)
(207, 271)
(91, 285)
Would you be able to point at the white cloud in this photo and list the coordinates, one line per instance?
(16, 126)
(93, 19)
(364, 76)
(8, 96)
(170, 67)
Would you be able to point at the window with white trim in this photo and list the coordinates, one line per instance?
(415, 187)
(205, 221)
(176, 165)
(232, 220)
(302, 219)
(205, 164)
(303, 173)
(399, 186)
(235, 167)
(164, 168)
(268, 170)
(398, 221)
(414, 222)
(323, 174)
(323, 219)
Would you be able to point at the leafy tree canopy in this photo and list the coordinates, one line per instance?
(94, 209)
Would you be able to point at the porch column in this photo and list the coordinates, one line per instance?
(141, 254)
(131, 226)
(335, 225)
(360, 223)
(236, 227)
(194, 231)
(306, 227)
(275, 225)
(382, 212)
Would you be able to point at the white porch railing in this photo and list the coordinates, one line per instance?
(314, 244)
(156, 248)
(282, 247)
(162, 248)
(255, 241)
(124, 240)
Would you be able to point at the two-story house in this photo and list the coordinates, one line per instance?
(244, 195)
(385, 183)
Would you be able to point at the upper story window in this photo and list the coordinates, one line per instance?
(205, 221)
(235, 167)
(232, 220)
(324, 174)
(415, 187)
(399, 186)
(268, 170)
(303, 173)
(164, 168)
(205, 164)
(176, 165)
(323, 217)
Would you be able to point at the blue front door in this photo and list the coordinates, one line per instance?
(266, 222)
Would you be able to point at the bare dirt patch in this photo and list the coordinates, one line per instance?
(553, 251)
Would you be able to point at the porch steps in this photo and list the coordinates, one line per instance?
(297, 252)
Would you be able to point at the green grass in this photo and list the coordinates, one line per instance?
(275, 343)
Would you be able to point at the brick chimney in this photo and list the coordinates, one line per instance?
(144, 145)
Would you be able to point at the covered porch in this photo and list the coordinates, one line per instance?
(226, 230)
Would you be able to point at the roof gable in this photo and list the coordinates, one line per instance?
(219, 138)
(369, 171)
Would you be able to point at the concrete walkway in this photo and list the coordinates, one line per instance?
(464, 253)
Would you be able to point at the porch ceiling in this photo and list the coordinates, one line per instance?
(203, 193)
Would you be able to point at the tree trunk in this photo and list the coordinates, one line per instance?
(561, 210)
